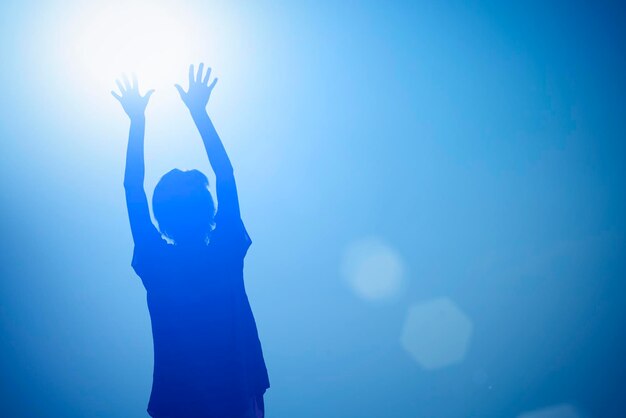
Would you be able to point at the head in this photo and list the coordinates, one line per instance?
(183, 206)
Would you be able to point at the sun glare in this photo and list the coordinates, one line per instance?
(151, 40)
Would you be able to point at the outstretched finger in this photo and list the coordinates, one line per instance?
(120, 86)
(126, 82)
(200, 69)
(206, 77)
(117, 96)
(148, 94)
(213, 83)
(191, 74)
(135, 83)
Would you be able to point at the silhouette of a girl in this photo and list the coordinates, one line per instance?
(207, 355)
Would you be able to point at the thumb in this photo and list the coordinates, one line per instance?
(148, 94)
(180, 91)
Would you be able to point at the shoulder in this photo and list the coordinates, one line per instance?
(230, 237)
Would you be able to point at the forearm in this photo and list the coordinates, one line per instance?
(136, 201)
(214, 147)
(135, 169)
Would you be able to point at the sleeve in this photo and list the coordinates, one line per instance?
(148, 255)
(147, 239)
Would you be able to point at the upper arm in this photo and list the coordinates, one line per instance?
(227, 197)
(148, 242)
(141, 226)
(230, 229)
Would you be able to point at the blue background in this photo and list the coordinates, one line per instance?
(483, 141)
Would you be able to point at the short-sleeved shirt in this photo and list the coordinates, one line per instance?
(208, 360)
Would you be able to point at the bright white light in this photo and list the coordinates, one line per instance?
(153, 40)
(373, 269)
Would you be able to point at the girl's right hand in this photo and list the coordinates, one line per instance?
(133, 103)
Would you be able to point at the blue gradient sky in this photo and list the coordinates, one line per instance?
(483, 142)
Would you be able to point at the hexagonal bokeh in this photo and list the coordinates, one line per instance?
(373, 269)
(436, 333)
(555, 411)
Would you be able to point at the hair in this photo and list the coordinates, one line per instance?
(183, 205)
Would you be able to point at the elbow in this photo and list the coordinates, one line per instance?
(225, 171)
(132, 185)
(133, 178)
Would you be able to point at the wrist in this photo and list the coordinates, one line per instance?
(137, 118)
(197, 112)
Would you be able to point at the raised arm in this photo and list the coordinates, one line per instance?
(196, 99)
(134, 105)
